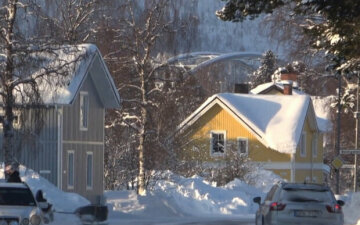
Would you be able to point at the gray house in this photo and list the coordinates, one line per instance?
(67, 146)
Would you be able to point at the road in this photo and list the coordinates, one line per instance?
(186, 221)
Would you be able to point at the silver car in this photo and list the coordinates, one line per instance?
(18, 205)
(295, 204)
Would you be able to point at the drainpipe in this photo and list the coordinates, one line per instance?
(292, 176)
(356, 114)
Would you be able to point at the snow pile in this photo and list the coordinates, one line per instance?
(351, 208)
(191, 197)
(61, 201)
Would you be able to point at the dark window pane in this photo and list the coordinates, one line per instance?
(218, 143)
(89, 173)
(16, 196)
(71, 169)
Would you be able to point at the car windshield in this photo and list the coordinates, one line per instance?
(16, 196)
(305, 195)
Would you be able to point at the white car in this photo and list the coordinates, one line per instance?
(19, 207)
(295, 204)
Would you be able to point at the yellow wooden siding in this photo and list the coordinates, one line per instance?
(310, 135)
(285, 174)
(274, 92)
(317, 176)
(218, 119)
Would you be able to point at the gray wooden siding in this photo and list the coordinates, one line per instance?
(38, 151)
(82, 141)
(80, 151)
(95, 131)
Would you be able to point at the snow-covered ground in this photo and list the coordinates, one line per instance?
(173, 199)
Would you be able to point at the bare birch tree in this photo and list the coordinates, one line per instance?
(25, 62)
(137, 37)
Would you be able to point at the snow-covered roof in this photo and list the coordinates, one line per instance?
(263, 88)
(321, 104)
(322, 111)
(276, 120)
(82, 61)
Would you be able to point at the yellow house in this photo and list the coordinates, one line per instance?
(280, 132)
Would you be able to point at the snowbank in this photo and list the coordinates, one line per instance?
(178, 196)
(351, 208)
(61, 201)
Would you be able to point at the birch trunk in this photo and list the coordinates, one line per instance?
(8, 98)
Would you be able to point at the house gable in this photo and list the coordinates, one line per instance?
(270, 118)
(102, 80)
(219, 119)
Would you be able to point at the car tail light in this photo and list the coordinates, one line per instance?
(333, 209)
(275, 206)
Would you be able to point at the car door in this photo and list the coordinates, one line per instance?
(265, 206)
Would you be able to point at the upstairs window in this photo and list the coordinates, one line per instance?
(84, 110)
(242, 145)
(303, 145)
(314, 146)
(217, 143)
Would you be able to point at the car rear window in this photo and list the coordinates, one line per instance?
(16, 196)
(301, 195)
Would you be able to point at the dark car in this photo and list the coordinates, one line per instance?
(298, 203)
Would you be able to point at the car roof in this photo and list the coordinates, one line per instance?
(3, 183)
(305, 186)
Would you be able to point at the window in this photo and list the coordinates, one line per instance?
(242, 144)
(314, 146)
(89, 170)
(217, 143)
(70, 166)
(84, 110)
(303, 145)
(271, 193)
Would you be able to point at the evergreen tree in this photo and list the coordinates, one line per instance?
(333, 26)
(264, 72)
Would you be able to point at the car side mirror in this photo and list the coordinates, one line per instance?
(340, 202)
(257, 200)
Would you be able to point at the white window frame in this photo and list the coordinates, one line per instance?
(303, 144)
(247, 145)
(84, 122)
(314, 146)
(70, 186)
(216, 154)
(89, 187)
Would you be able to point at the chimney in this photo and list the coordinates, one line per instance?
(288, 86)
(242, 88)
(288, 76)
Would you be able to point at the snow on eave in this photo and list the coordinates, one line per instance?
(207, 105)
(287, 114)
(111, 81)
(66, 94)
(322, 111)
